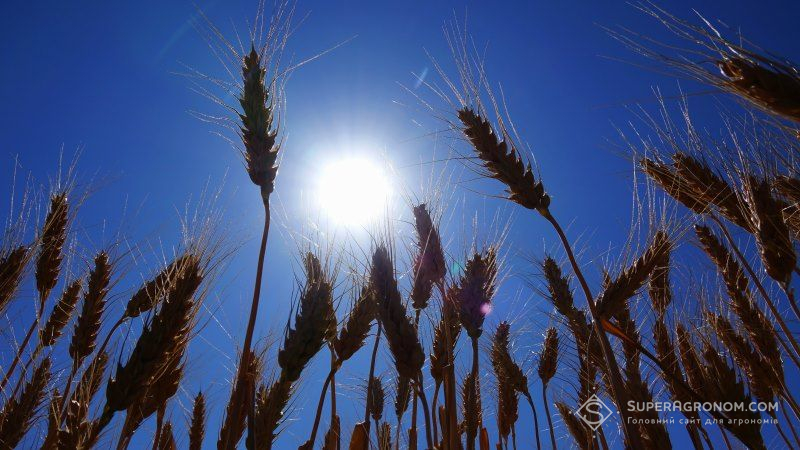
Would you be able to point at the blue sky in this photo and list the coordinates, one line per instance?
(101, 76)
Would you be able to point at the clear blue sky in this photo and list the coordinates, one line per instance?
(101, 76)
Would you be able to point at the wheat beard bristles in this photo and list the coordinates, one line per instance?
(53, 236)
(772, 235)
(84, 336)
(502, 163)
(198, 424)
(61, 314)
(475, 291)
(258, 137)
(429, 265)
(398, 327)
(18, 413)
(12, 266)
(619, 290)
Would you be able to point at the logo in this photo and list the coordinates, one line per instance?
(594, 412)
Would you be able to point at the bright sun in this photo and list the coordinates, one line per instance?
(353, 191)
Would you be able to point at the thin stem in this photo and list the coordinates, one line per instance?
(617, 391)
(724, 437)
(159, 426)
(527, 395)
(334, 369)
(413, 434)
(425, 410)
(371, 375)
(241, 377)
(435, 411)
(780, 431)
(549, 418)
(474, 375)
(320, 404)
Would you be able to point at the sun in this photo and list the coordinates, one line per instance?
(353, 191)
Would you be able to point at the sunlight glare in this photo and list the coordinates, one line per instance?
(353, 191)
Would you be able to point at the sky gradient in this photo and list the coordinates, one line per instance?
(105, 78)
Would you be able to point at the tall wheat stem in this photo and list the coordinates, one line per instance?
(425, 411)
(244, 362)
(22, 346)
(536, 419)
(618, 391)
(549, 417)
(371, 375)
(320, 404)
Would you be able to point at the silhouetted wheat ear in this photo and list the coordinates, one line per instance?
(722, 385)
(167, 329)
(777, 91)
(312, 324)
(772, 235)
(237, 409)
(659, 289)
(710, 188)
(84, 335)
(759, 328)
(17, 415)
(471, 401)
(197, 427)
(147, 297)
(476, 289)
(666, 178)
(12, 267)
(270, 405)
(690, 360)
(77, 429)
(402, 395)
(166, 441)
(377, 399)
(504, 363)
(633, 278)
(548, 361)
(763, 385)
(355, 330)
(440, 348)
(503, 163)
(54, 233)
(257, 133)
(398, 327)
(429, 263)
(576, 428)
(510, 380)
(62, 312)
(155, 396)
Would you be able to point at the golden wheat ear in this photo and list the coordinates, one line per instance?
(19, 412)
(12, 267)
